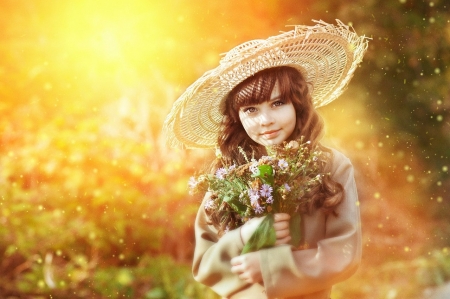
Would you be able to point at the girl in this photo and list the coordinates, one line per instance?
(264, 107)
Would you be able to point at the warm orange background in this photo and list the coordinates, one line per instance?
(85, 177)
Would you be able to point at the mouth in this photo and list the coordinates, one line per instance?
(270, 134)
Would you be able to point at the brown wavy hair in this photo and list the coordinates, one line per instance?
(257, 89)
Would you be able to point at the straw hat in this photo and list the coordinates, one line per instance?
(326, 54)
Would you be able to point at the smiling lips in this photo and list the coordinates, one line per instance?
(270, 134)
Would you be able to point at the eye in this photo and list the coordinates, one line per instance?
(278, 103)
(248, 110)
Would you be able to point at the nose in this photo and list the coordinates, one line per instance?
(266, 118)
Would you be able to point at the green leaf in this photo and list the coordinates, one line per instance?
(295, 229)
(235, 204)
(265, 173)
(263, 237)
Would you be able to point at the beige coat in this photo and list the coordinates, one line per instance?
(333, 254)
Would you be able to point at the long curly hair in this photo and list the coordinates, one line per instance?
(257, 89)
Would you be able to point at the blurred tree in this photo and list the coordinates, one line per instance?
(407, 68)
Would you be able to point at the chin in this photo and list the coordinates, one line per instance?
(272, 142)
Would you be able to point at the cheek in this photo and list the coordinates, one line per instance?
(245, 121)
(291, 120)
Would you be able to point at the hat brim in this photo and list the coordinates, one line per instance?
(327, 56)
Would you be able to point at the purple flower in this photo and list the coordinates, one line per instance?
(259, 209)
(283, 164)
(265, 190)
(269, 199)
(286, 186)
(220, 173)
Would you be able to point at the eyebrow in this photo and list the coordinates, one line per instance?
(269, 100)
(275, 98)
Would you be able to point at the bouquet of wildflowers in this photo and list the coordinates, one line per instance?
(280, 182)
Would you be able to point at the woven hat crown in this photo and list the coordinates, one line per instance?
(327, 56)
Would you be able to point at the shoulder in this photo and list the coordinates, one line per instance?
(338, 163)
(338, 157)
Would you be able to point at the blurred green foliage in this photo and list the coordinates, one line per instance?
(92, 203)
(79, 199)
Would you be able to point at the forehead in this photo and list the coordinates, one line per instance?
(255, 91)
(275, 94)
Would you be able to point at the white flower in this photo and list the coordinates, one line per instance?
(266, 158)
(319, 178)
(254, 196)
(192, 182)
(209, 204)
(283, 164)
(220, 173)
(254, 168)
(292, 144)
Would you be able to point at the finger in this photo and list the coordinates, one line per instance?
(247, 279)
(281, 217)
(236, 270)
(283, 241)
(246, 276)
(243, 276)
(281, 225)
(280, 234)
(236, 261)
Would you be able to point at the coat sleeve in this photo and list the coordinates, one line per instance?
(336, 256)
(212, 255)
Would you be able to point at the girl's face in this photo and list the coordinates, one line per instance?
(270, 122)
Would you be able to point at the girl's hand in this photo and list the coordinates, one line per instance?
(281, 226)
(248, 267)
